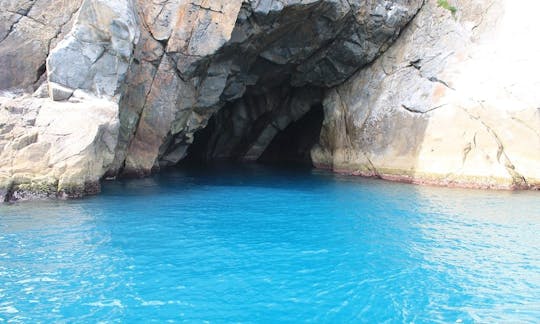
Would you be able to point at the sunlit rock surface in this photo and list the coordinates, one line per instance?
(55, 149)
(454, 101)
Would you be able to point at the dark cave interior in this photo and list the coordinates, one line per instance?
(233, 134)
(293, 145)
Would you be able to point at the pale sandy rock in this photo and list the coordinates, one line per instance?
(55, 149)
(452, 102)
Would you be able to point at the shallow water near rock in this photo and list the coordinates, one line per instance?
(260, 244)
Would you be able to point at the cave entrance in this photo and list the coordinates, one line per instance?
(275, 127)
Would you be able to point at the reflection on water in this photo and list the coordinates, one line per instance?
(487, 244)
(52, 255)
(258, 244)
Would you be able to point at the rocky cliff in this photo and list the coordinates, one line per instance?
(410, 90)
(454, 102)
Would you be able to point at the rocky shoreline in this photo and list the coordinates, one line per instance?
(411, 91)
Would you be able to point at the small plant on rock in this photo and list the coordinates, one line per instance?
(445, 5)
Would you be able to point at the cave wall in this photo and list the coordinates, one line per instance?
(293, 145)
(242, 130)
(259, 45)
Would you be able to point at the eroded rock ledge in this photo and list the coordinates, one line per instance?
(122, 87)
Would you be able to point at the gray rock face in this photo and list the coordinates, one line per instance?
(98, 49)
(211, 54)
(29, 30)
(136, 79)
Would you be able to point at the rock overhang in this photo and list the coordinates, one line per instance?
(260, 45)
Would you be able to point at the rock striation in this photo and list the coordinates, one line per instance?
(29, 30)
(96, 88)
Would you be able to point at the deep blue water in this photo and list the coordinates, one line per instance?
(257, 244)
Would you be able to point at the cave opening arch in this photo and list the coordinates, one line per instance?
(277, 127)
(233, 94)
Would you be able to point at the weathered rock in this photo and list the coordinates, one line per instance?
(452, 103)
(218, 49)
(55, 149)
(28, 31)
(96, 55)
(172, 65)
(139, 82)
(157, 117)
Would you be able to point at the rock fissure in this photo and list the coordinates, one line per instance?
(22, 14)
(483, 14)
(518, 180)
(372, 166)
(421, 111)
(27, 16)
(207, 8)
(43, 69)
(347, 134)
(437, 80)
(536, 131)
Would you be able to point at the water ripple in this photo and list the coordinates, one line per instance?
(264, 245)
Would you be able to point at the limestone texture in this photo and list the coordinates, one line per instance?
(94, 89)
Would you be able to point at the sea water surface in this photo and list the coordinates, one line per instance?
(259, 244)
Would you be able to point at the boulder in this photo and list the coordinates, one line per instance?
(55, 149)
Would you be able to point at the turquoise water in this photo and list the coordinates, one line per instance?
(257, 244)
